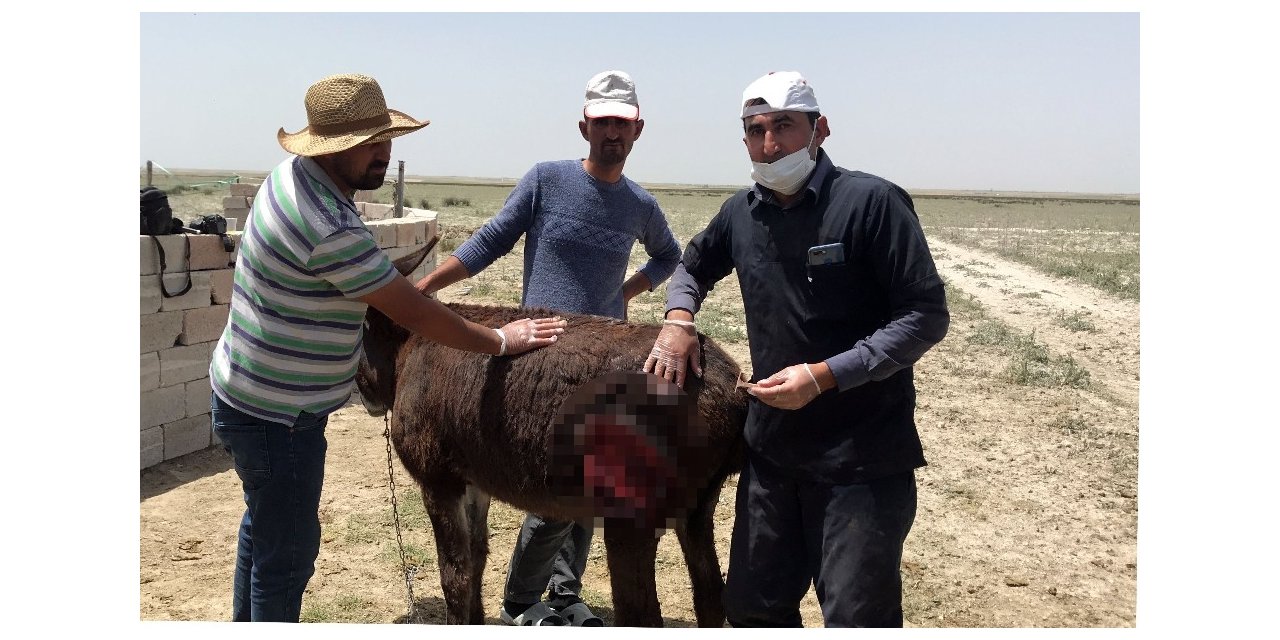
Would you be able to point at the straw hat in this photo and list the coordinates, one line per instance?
(345, 111)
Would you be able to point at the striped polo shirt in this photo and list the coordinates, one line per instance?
(292, 341)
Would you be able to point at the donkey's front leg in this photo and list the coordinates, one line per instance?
(443, 499)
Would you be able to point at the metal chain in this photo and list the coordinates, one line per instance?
(409, 573)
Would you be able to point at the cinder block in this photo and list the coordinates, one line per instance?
(207, 253)
(236, 202)
(149, 371)
(152, 450)
(244, 189)
(363, 196)
(203, 324)
(163, 405)
(198, 296)
(376, 211)
(198, 396)
(184, 364)
(220, 285)
(159, 330)
(187, 435)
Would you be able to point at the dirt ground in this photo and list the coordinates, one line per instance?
(1027, 511)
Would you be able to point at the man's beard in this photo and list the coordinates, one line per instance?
(611, 155)
(372, 178)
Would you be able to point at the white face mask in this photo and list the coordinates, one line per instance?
(786, 174)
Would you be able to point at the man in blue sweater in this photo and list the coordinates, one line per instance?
(580, 219)
(841, 298)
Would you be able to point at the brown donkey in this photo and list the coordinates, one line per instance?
(550, 432)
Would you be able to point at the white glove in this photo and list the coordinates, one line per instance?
(676, 345)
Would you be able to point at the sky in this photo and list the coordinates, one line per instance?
(1000, 101)
(1188, 85)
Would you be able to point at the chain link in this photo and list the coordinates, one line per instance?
(409, 572)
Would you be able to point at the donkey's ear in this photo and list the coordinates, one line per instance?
(406, 264)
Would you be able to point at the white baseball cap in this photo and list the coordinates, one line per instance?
(611, 94)
(781, 91)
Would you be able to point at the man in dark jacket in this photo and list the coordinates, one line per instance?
(841, 298)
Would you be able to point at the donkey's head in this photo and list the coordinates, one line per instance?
(383, 338)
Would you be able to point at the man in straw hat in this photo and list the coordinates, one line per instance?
(306, 271)
(580, 218)
(841, 298)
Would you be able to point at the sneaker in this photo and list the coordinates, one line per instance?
(538, 615)
(579, 615)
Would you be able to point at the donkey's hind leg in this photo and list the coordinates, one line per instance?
(697, 540)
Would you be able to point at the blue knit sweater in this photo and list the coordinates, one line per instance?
(579, 234)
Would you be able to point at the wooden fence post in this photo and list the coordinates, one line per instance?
(148, 173)
(400, 192)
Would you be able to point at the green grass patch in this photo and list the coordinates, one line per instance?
(1075, 321)
(1030, 362)
(344, 608)
(421, 556)
(721, 325)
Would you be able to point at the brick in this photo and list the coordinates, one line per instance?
(152, 449)
(207, 253)
(175, 250)
(152, 301)
(149, 371)
(235, 239)
(187, 435)
(149, 261)
(197, 297)
(198, 396)
(203, 324)
(410, 233)
(244, 189)
(235, 202)
(184, 364)
(376, 211)
(162, 405)
(220, 285)
(363, 196)
(149, 295)
(159, 330)
(381, 232)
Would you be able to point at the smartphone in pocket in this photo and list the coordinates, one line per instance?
(826, 254)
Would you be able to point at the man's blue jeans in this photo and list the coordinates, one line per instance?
(282, 470)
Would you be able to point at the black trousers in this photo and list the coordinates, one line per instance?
(844, 539)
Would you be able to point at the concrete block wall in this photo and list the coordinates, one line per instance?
(178, 334)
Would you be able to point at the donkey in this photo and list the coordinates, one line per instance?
(469, 427)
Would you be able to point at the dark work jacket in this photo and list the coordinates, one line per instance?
(870, 317)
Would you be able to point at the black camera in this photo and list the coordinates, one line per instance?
(211, 224)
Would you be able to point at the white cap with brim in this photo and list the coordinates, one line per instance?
(781, 91)
(611, 94)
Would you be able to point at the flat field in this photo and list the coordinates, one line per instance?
(1028, 411)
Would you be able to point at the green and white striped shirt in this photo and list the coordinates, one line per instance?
(293, 339)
